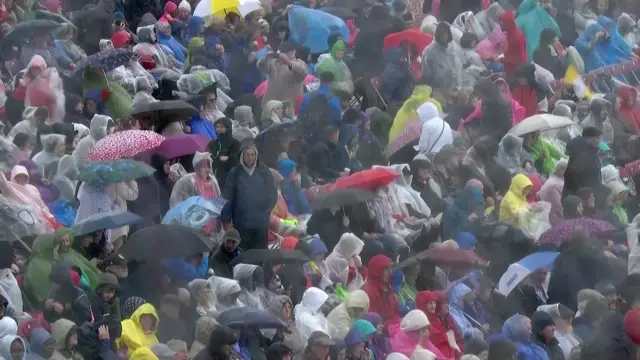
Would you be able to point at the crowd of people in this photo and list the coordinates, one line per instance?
(331, 179)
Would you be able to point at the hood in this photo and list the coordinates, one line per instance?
(349, 245)
(243, 114)
(49, 141)
(527, 6)
(5, 346)
(147, 34)
(562, 110)
(286, 167)
(227, 124)
(494, 11)
(414, 320)
(99, 126)
(277, 305)
(29, 113)
(358, 299)
(170, 7)
(514, 328)
(466, 240)
(428, 111)
(37, 61)
(60, 331)
(107, 279)
(19, 170)
(508, 20)
(195, 26)
(317, 247)
(71, 101)
(245, 167)
(423, 298)
(458, 293)
(61, 274)
(269, 107)
(200, 157)
(338, 46)
(222, 335)
(204, 327)
(625, 93)
(441, 28)
(67, 167)
(248, 276)
(313, 299)
(8, 326)
(539, 321)
(376, 267)
(225, 287)
(625, 24)
(372, 317)
(144, 309)
(518, 184)
(403, 180)
(39, 337)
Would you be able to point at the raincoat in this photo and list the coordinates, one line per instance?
(308, 314)
(606, 51)
(441, 322)
(340, 318)
(545, 155)
(66, 178)
(48, 155)
(514, 205)
(227, 292)
(455, 219)
(382, 300)
(551, 192)
(179, 51)
(463, 325)
(27, 125)
(115, 98)
(532, 19)
(440, 62)
(511, 154)
(60, 331)
(291, 339)
(285, 84)
(204, 327)
(97, 132)
(406, 338)
(516, 52)
(10, 290)
(436, 133)
(339, 261)
(39, 337)
(5, 347)
(629, 108)
(191, 184)
(292, 193)
(251, 280)
(409, 110)
(341, 74)
(514, 329)
(133, 336)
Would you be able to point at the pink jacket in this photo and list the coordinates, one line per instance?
(406, 342)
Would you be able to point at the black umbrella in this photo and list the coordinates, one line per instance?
(26, 29)
(101, 221)
(106, 60)
(273, 256)
(166, 108)
(342, 13)
(248, 317)
(160, 241)
(340, 197)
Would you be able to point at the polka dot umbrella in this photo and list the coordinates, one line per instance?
(125, 144)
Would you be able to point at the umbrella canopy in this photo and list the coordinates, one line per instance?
(107, 60)
(195, 212)
(340, 197)
(273, 256)
(413, 36)
(114, 171)
(125, 144)
(562, 231)
(166, 108)
(370, 179)
(25, 30)
(521, 269)
(102, 221)
(183, 144)
(445, 256)
(248, 317)
(410, 135)
(341, 12)
(540, 122)
(161, 241)
(48, 15)
(222, 7)
(311, 28)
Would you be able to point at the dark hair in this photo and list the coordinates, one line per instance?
(303, 53)
(467, 39)
(565, 313)
(327, 77)
(546, 37)
(501, 348)
(443, 28)
(21, 139)
(333, 38)
(330, 130)
(591, 132)
(399, 6)
(570, 206)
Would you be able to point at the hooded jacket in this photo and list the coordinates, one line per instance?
(629, 109)
(583, 169)
(27, 125)
(97, 131)
(516, 53)
(75, 301)
(5, 347)
(251, 279)
(514, 202)
(406, 339)
(60, 331)
(204, 327)
(515, 330)
(47, 156)
(133, 336)
(436, 133)
(107, 313)
(340, 319)
(308, 314)
(39, 337)
(225, 145)
(532, 19)
(286, 83)
(440, 321)
(381, 297)
(292, 339)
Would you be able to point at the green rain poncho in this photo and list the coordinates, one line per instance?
(342, 76)
(118, 101)
(194, 44)
(36, 280)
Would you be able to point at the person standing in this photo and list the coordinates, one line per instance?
(287, 74)
(583, 169)
(251, 196)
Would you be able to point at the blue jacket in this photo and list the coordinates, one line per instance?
(203, 127)
(334, 103)
(293, 195)
(183, 272)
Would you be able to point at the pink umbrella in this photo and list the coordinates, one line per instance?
(125, 144)
(409, 135)
(183, 144)
(262, 88)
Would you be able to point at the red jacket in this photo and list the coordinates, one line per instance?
(382, 300)
(516, 52)
(527, 97)
(629, 109)
(441, 323)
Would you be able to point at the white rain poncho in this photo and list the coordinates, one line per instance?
(186, 186)
(47, 156)
(201, 288)
(489, 19)
(308, 314)
(337, 263)
(10, 290)
(251, 280)
(126, 76)
(467, 22)
(436, 133)
(194, 83)
(227, 292)
(66, 179)
(223, 85)
(27, 125)
(143, 89)
(610, 174)
(97, 131)
(511, 154)
(441, 63)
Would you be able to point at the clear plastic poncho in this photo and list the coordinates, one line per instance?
(308, 314)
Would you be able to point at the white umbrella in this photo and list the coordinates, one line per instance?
(244, 7)
(540, 122)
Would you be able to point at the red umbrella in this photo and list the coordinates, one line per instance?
(369, 179)
(125, 144)
(414, 36)
(184, 144)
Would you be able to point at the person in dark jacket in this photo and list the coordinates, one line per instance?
(323, 159)
(424, 184)
(95, 24)
(105, 305)
(74, 105)
(547, 56)
(227, 252)
(224, 150)
(66, 299)
(543, 333)
(251, 195)
(583, 169)
(497, 116)
(221, 345)
(171, 325)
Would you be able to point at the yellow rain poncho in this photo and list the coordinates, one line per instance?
(515, 200)
(421, 94)
(132, 334)
(143, 354)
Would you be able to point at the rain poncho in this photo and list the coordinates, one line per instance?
(251, 280)
(606, 51)
(67, 51)
(566, 340)
(409, 110)
(456, 306)
(382, 300)
(45, 253)
(8, 327)
(169, 41)
(10, 290)
(340, 318)
(227, 292)
(455, 219)
(195, 288)
(5, 347)
(532, 19)
(47, 91)
(308, 314)
(406, 339)
(436, 133)
(204, 327)
(291, 192)
(595, 119)
(133, 336)
(27, 195)
(47, 156)
(341, 74)
(489, 19)
(583, 15)
(545, 155)
(511, 154)
(115, 99)
(97, 132)
(515, 330)
(94, 200)
(148, 46)
(292, 339)
(628, 29)
(191, 184)
(337, 263)
(440, 62)
(27, 125)
(66, 178)
(39, 337)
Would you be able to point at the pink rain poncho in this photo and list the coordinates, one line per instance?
(27, 195)
(406, 337)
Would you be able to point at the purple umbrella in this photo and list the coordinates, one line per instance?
(562, 231)
(183, 144)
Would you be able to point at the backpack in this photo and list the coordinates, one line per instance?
(315, 118)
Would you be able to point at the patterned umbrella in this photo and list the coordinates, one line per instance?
(562, 231)
(107, 60)
(125, 144)
(409, 135)
(114, 171)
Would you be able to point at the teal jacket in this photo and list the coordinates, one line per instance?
(532, 19)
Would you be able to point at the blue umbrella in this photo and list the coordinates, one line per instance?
(114, 171)
(311, 28)
(194, 212)
(518, 271)
(102, 221)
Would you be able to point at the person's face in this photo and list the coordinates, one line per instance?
(108, 293)
(92, 108)
(380, 328)
(540, 276)
(230, 245)
(49, 346)
(60, 148)
(612, 300)
(356, 312)
(278, 111)
(21, 179)
(286, 311)
(592, 201)
(546, 4)
(210, 102)
(282, 34)
(226, 349)
(203, 169)
(549, 332)
(443, 37)
(523, 81)
(220, 128)
(65, 242)
(483, 355)
(320, 352)
(431, 306)
(148, 323)
(527, 328)
(166, 167)
(72, 341)
(526, 190)
(339, 54)
(171, 309)
(425, 332)
(386, 276)
(334, 137)
(249, 157)
(204, 295)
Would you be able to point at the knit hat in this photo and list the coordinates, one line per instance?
(232, 234)
(540, 320)
(120, 39)
(184, 5)
(170, 7)
(118, 16)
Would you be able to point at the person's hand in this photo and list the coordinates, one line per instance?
(473, 217)
(284, 58)
(486, 327)
(599, 35)
(45, 182)
(49, 304)
(72, 67)
(96, 261)
(103, 333)
(57, 307)
(15, 269)
(357, 261)
(219, 48)
(224, 158)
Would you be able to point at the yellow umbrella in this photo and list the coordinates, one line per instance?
(222, 7)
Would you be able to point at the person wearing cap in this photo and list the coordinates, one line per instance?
(251, 195)
(286, 74)
(227, 252)
(583, 169)
(318, 346)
